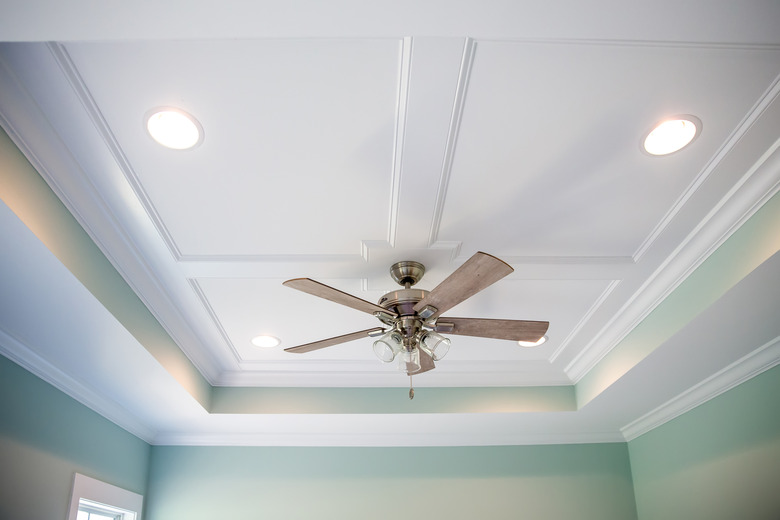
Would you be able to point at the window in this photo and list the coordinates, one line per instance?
(89, 510)
(96, 500)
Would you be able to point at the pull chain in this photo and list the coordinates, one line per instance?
(411, 388)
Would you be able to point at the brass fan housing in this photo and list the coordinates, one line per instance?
(402, 301)
(407, 272)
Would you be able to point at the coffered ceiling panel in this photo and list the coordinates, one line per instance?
(299, 139)
(244, 308)
(548, 160)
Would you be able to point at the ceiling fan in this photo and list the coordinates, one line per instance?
(413, 317)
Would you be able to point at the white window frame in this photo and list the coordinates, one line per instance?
(103, 493)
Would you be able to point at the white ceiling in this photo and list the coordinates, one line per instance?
(340, 141)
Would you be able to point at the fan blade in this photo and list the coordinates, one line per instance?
(321, 290)
(426, 363)
(516, 330)
(308, 347)
(479, 271)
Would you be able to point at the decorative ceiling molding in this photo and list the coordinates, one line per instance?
(198, 290)
(467, 61)
(73, 76)
(750, 118)
(21, 117)
(760, 183)
(402, 108)
(351, 439)
(758, 361)
(23, 356)
(371, 374)
(585, 318)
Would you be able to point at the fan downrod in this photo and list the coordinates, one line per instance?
(407, 273)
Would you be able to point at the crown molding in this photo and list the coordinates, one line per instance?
(758, 361)
(372, 374)
(23, 356)
(23, 119)
(758, 185)
(390, 440)
(597, 303)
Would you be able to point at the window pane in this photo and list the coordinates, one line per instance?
(82, 515)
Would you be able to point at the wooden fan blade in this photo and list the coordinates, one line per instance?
(426, 363)
(308, 347)
(516, 330)
(321, 290)
(479, 271)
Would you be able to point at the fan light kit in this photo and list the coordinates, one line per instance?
(173, 128)
(672, 135)
(413, 325)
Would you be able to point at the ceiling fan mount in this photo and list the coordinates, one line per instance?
(401, 302)
(413, 316)
(407, 273)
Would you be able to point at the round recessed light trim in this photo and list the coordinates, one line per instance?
(671, 135)
(532, 343)
(173, 128)
(266, 341)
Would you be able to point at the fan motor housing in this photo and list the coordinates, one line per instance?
(402, 301)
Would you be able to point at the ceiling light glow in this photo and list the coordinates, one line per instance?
(672, 135)
(174, 128)
(532, 343)
(265, 341)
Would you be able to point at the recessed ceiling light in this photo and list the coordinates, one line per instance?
(671, 135)
(265, 341)
(173, 128)
(532, 343)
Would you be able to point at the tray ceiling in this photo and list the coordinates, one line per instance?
(331, 154)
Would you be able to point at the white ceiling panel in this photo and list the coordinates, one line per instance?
(548, 161)
(245, 308)
(299, 139)
(564, 303)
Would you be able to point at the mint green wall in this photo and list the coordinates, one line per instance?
(718, 461)
(46, 436)
(721, 460)
(587, 481)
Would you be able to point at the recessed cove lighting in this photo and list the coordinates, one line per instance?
(173, 128)
(672, 135)
(265, 341)
(532, 343)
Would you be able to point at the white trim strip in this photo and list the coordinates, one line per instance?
(469, 51)
(20, 354)
(758, 361)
